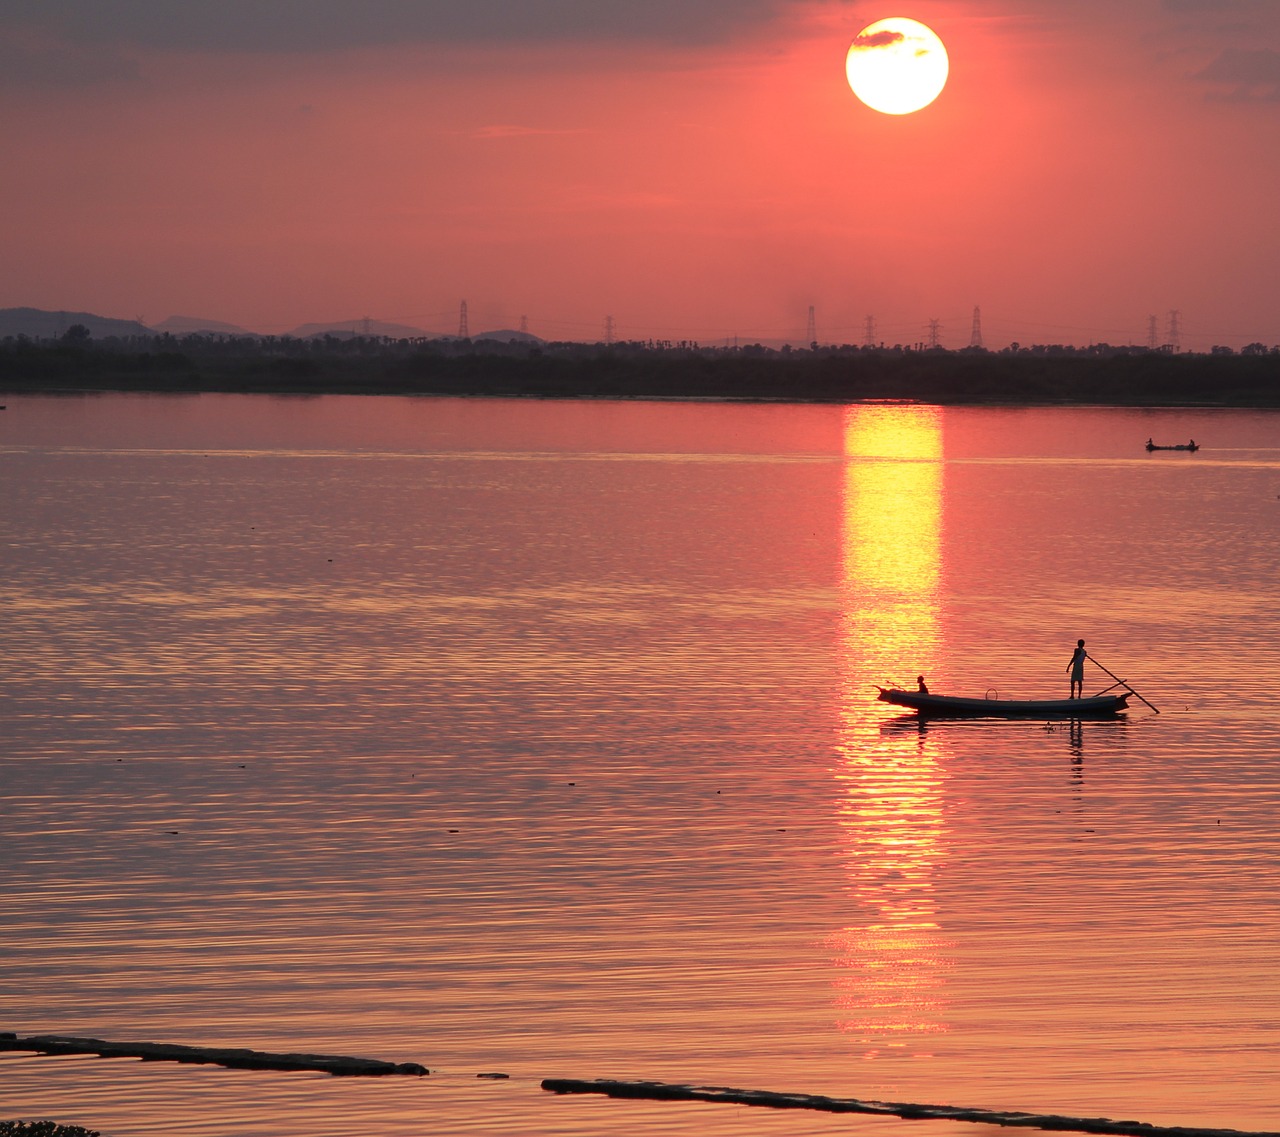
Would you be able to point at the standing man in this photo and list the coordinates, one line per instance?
(1076, 667)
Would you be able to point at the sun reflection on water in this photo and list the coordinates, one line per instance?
(891, 776)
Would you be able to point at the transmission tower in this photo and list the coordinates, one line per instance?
(975, 336)
(524, 324)
(1175, 329)
(366, 327)
(811, 331)
(1153, 335)
(935, 326)
(608, 330)
(463, 333)
(869, 332)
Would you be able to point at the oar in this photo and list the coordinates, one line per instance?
(1123, 682)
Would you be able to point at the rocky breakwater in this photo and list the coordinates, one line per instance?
(235, 1059)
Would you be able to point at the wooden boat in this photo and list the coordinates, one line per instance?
(954, 706)
(1180, 446)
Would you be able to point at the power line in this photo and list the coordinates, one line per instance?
(870, 331)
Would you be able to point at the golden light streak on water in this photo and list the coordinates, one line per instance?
(891, 781)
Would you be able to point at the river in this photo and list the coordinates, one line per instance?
(541, 738)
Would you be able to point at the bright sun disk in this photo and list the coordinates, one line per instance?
(896, 65)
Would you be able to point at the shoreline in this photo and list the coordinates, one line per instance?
(377, 392)
(1023, 377)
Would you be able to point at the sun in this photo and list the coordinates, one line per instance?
(897, 66)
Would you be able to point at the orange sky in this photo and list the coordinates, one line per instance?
(696, 170)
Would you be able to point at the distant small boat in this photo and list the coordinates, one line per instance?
(955, 706)
(1180, 446)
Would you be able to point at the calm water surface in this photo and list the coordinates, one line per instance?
(541, 738)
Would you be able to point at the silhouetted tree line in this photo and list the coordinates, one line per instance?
(1035, 374)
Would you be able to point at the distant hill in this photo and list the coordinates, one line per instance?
(196, 325)
(506, 335)
(42, 325)
(349, 329)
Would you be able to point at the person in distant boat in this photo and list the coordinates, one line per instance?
(1076, 667)
(920, 687)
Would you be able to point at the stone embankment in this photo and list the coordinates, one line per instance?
(238, 1059)
(666, 1091)
(234, 1059)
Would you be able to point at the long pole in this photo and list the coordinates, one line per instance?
(1122, 682)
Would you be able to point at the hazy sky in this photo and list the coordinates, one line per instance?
(696, 169)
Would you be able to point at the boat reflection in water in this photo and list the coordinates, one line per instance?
(891, 786)
(1107, 734)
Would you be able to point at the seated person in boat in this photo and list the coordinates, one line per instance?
(920, 686)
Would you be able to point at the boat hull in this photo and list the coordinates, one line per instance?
(954, 706)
